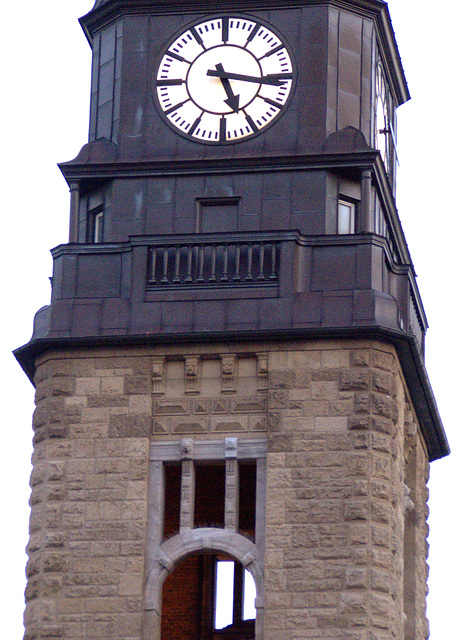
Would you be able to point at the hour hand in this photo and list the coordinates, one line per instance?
(232, 100)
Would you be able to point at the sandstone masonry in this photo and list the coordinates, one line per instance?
(343, 545)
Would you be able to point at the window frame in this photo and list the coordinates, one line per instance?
(351, 205)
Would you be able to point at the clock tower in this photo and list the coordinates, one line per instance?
(234, 422)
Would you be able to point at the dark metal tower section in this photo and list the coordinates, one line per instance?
(293, 233)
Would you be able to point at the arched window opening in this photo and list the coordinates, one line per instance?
(208, 597)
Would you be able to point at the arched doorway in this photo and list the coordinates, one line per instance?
(208, 596)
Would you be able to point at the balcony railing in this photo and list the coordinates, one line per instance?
(214, 263)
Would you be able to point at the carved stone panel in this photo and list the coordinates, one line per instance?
(222, 393)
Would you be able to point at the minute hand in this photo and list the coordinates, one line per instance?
(273, 80)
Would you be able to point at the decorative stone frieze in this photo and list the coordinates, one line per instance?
(262, 372)
(158, 376)
(192, 372)
(228, 372)
(216, 397)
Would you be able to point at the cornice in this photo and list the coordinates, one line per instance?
(73, 171)
(105, 12)
(407, 349)
(106, 7)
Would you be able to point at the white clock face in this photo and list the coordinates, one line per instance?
(382, 120)
(223, 80)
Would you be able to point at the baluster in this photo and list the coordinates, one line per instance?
(189, 259)
(165, 264)
(213, 263)
(177, 265)
(225, 263)
(274, 261)
(261, 275)
(201, 264)
(153, 265)
(237, 262)
(189, 262)
(249, 248)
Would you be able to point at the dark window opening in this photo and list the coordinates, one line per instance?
(247, 498)
(210, 495)
(173, 482)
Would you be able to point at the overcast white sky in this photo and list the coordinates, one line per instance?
(45, 76)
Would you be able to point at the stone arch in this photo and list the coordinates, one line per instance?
(179, 547)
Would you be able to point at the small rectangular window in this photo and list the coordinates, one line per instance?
(95, 224)
(98, 227)
(346, 217)
(217, 215)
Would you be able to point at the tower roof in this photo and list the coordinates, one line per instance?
(105, 11)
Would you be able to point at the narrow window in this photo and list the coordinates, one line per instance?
(247, 498)
(173, 481)
(249, 604)
(96, 225)
(210, 495)
(223, 615)
(346, 217)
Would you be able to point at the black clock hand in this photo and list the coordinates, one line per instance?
(232, 100)
(225, 75)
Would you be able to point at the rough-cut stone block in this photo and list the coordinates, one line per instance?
(88, 386)
(354, 380)
(356, 578)
(356, 510)
(129, 426)
(137, 384)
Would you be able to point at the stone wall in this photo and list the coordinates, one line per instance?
(346, 484)
(89, 498)
(335, 496)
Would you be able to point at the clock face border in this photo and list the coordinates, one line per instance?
(277, 109)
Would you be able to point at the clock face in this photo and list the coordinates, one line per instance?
(382, 121)
(224, 79)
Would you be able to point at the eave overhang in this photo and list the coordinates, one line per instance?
(413, 368)
(105, 12)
